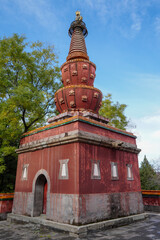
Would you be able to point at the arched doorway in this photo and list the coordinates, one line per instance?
(40, 196)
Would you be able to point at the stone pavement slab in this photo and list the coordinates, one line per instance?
(148, 229)
(77, 231)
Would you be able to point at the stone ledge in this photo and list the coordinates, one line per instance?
(77, 136)
(77, 231)
(87, 114)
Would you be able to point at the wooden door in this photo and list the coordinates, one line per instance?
(45, 198)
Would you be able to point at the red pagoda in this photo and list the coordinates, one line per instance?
(78, 169)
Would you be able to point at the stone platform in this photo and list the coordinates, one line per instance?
(77, 231)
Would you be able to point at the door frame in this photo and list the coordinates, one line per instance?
(46, 175)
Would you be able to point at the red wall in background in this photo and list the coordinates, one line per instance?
(151, 197)
(6, 202)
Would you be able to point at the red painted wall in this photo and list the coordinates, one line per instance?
(50, 132)
(151, 197)
(48, 159)
(106, 184)
(6, 202)
(79, 165)
(74, 126)
(104, 132)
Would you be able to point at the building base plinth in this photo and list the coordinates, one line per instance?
(77, 231)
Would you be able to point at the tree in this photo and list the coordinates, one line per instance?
(29, 78)
(115, 112)
(156, 167)
(148, 176)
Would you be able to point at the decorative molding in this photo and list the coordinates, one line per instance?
(100, 104)
(72, 104)
(61, 100)
(78, 60)
(84, 98)
(72, 93)
(84, 66)
(96, 95)
(63, 171)
(25, 172)
(74, 73)
(78, 86)
(129, 172)
(68, 81)
(92, 76)
(114, 171)
(81, 119)
(65, 69)
(83, 79)
(95, 169)
(77, 136)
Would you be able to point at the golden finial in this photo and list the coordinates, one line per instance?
(78, 16)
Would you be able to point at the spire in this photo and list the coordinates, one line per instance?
(78, 96)
(77, 32)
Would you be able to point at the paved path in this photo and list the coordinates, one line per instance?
(144, 230)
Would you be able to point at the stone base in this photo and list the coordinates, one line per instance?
(80, 209)
(77, 231)
(3, 216)
(152, 208)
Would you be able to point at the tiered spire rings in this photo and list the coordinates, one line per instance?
(78, 74)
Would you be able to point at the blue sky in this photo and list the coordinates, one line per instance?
(123, 41)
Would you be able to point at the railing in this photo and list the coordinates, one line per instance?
(6, 202)
(151, 200)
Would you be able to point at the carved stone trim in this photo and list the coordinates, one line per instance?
(100, 104)
(96, 95)
(84, 66)
(84, 98)
(63, 171)
(74, 73)
(92, 76)
(65, 69)
(95, 173)
(83, 79)
(77, 136)
(71, 93)
(68, 81)
(61, 100)
(72, 104)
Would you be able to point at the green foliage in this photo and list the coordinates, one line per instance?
(29, 78)
(149, 177)
(114, 112)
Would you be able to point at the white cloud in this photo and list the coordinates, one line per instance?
(136, 25)
(100, 6)
(157, 25)
(124, 15)
(145, 80)
(148, 136)
(41, 10)
(156, 134)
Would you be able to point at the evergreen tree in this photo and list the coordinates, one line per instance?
(148, 176)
